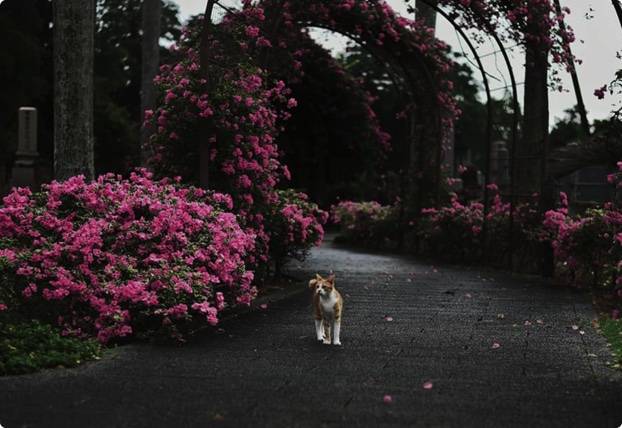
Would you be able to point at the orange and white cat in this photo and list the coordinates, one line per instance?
(327, 308)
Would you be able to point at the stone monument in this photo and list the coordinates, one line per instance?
(24, 173)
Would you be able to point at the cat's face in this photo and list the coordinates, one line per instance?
(322, 286)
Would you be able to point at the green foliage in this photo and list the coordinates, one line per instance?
(470, 128)
(118, 74)
(28, 346)
(567, 129)
(612, 330)
(26, 71)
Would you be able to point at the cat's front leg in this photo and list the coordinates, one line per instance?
(319, 331)
(336, 330)
(326, 332)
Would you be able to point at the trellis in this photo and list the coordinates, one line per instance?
(415, 71)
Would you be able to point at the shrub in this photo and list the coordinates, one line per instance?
(589, 247)
(452, 232)
(29, 346)
(612, 330)
(295, 225)
(114, 257)
(367, 223)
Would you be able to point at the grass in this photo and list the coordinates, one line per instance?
(612, 330)
(29, 346)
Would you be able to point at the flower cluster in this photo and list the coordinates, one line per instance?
(453, 231)
(116, 256)
(589, 247)
(295, 225)
(389, 36)
(233, 113)
(366, 223)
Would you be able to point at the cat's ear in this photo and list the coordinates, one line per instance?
(331, 278)
(312, 283)
(318, 277)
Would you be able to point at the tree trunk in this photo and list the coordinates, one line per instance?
(151, 19)
(427, 13)
(74, 39)
(532, 151)
(531, 166)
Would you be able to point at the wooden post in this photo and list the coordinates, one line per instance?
(204, 148)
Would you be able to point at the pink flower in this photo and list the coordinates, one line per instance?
(263, 42)
(251, 31)
(387, 399)
(170, 96)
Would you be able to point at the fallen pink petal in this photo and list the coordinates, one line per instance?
(428, 385)
(496, 345)
(387, 399)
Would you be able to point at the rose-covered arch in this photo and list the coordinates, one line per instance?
(237, 108)
(409, 49)
(241, 106)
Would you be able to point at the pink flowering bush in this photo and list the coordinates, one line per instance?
(295, 226)
(366, 223)
(589, 246)
(118, 256)
(451, 232)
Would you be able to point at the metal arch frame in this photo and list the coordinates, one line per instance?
(370, 50)
(516, 111)
(515, 115)
(396, 62)
(414, 84)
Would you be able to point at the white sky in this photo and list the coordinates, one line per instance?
(601, 36)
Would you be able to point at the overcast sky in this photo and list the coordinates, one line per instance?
(602, 37)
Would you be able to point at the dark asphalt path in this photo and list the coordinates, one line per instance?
(265, 369)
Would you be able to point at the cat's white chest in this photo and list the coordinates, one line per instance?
(328, 304)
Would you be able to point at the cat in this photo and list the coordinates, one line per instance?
(328, 308)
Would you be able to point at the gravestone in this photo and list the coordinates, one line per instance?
(24, 172)
(500, 164)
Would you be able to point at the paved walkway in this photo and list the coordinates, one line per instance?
(265, 369)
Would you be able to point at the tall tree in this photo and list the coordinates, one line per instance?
(74, 42)
(531, 165)
(151, 23)
(119, 78)
(426, 12)
(204, 154)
